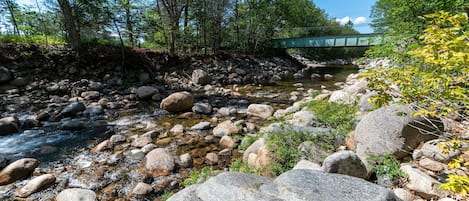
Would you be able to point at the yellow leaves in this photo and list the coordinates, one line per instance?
(456, 183)
(455, 163)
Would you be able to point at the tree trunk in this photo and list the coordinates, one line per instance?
(13, 18)
(69, 21)
(129, 24)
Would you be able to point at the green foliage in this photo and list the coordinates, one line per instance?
(434, 77)
(238, 166)
(455, 182)
(386, 165)
(33, 39)
(284, 147)
(166, 195)
(247, 141)
(334, 115)
(198, 176)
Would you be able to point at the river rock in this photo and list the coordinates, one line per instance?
(340, 96)
(43, 116)
(432, 149)
(303, 118)
(35, 185)
(308, 165)
(227, 142)
(142, 189)
(72, 109)
(117, 139)
(200, 77)
(104, 145)
(177, 129)
(178, 102)
(202, 108)
(76, 194)
(142, 141)
(393, 130)
(201, 126)
(72, 125)
(225, 128)
(158, 163)
(345, 162)
(211, 158)
(260, 110)
(8, 125)
(5, 75)
(185, 160)
(298, 185)
(146, 92)
(419, 182)
(253, 148)
(403, 194)
(364, 102)
(432, 165)
(17, 170)
(90, 95)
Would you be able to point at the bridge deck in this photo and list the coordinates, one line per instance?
(360, 40)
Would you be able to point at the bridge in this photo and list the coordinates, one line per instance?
(358, 40)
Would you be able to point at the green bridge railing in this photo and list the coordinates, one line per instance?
(359, 40)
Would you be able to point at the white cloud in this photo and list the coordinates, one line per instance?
(355, 21)
(359, 20)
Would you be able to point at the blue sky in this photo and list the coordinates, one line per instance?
(358, 11)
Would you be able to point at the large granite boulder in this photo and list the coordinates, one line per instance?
(17, 170)
(298, 185)
(345, 162)
(178, 102)
(393, 130)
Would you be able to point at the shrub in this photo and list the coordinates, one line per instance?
(334, 115)
(198, 176)
(386, 166)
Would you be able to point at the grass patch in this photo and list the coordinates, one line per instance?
(247, 141)
(198, 176)
(238, 166)
(166, 195)
(337, 116)
(284, 147)
(386, 166)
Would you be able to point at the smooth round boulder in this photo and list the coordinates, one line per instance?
(8, 125)
(17, 170)
(142, 189)
(158, 163)
(260, 110)
(146, 92)
(178, 102)
(202, 108)
(76, 194)
(35, 185)
(72, 109)
(394, 130)
(345, 162)
(225, 128)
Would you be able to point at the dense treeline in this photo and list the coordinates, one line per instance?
(207, 26)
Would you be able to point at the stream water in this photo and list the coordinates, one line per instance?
(50, 144)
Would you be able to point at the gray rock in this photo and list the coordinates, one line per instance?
(93, 110)
(19, 82)
(364, 102)
(17, 170)
(200, 77)
(297, 185)
(432, 149)
(178, 102)
(340, 96)
(5, 75)
(90, 95)
(253, 148)
(303, 118)
(391, 130)
(202, 108)
(403, 194)
(201, 126)
(142, 189)
(146, 92)
(345, 162)
(419, 182)
(185, 160)
(158, 163)
(178, 128)
(312, 151)
(35, 185)
(260, 110)
(76, 194)
(72, 109)
(72, 125)
(225, 128)
(116, 139)
(308, 165)
(142, 141)
(8, 125)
